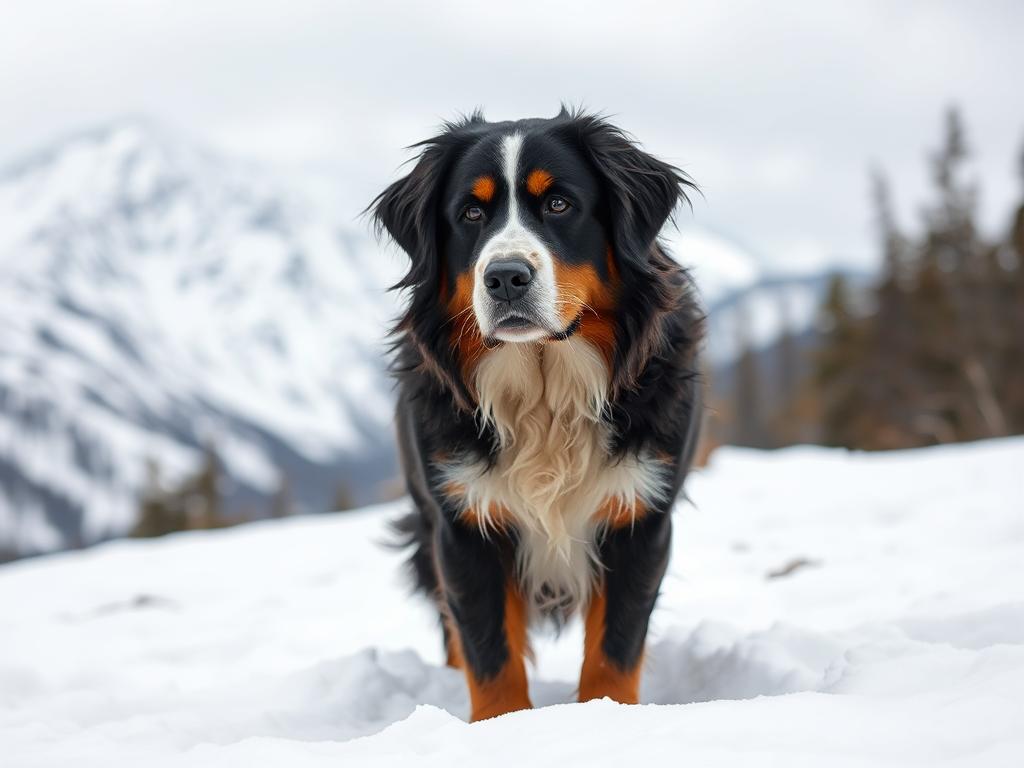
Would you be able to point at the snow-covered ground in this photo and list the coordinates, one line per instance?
(822, 608)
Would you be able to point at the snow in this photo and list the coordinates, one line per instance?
(896, 637)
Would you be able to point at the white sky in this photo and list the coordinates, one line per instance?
(778, 109)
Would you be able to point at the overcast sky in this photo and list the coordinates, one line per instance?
(778, 109)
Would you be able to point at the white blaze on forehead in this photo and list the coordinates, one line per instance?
(516, 240)
(511, 149)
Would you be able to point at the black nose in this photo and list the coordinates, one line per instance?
(508, 279)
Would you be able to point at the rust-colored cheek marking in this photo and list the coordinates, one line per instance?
(461, 300)
(464, 335)
(508, 690)
(600, 675)
(538, 182)
(483, 188)
(582, 292)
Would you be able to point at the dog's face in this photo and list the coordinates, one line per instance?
(524, 247)
(531, 231)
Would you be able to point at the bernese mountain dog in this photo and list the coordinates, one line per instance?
(548, 395)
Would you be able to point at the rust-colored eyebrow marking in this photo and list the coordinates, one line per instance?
(483, 189)
(538, 182)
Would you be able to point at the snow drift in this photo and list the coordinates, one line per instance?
(822, 608)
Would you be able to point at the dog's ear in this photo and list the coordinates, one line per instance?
(641, 194)
(407, 211)
(643, 191)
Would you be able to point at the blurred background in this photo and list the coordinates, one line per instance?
(192, 309)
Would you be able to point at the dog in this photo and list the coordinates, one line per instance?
(549, 401)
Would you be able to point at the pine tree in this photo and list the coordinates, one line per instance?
(194, 503)
(955, 309)
(838, 365)
(157, 513)
(936, 359)
(1011, 309)
(890, 381)
(940, 357)
(203, 493)
(792, 418)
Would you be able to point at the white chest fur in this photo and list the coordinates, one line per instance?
(553, 474)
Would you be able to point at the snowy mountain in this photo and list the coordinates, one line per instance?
(821, 608)
(157, 298)
(721, 266)
(747, 303)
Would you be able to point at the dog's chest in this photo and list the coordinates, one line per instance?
(553, 479)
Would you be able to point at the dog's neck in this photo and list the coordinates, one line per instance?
(562, 383)
(545, 403)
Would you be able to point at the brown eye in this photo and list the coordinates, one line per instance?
(473, 213)
(557, 205)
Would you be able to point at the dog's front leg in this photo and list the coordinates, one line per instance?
(488, 615)
(634, 557)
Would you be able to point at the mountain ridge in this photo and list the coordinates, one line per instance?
(159, 298)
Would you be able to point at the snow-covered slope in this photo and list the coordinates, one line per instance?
(156, 297)
(822, 608)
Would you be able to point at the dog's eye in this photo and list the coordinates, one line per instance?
(558, 205)
(473, 213)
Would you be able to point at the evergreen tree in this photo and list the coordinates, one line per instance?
(954, 302)
(890, 383)
(940, 357)
(838, 366)
(195, 503)
(792, 414)
(157, 514)
(936, 360)
(1011, 309)
(203, 493)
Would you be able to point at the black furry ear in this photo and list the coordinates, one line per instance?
(407, 210)
(643, 190)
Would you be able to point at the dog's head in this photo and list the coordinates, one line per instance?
(529, 231)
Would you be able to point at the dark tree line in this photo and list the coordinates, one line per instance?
(194, 503)
(197, 501)
(936, 354)
(932, 351)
